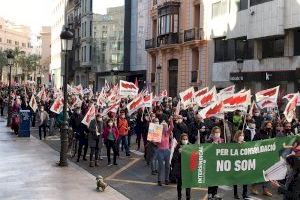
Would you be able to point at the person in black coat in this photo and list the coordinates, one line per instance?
(263, 134)
(176, 166)
(291, 190)
(197, 125)
(80, 130)
(179, 128)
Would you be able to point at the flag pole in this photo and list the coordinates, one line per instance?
(224, 129)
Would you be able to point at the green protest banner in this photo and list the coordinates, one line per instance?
(232, 163)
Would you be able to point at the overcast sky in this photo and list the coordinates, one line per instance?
(37, 13)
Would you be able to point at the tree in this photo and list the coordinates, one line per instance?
(3, 62)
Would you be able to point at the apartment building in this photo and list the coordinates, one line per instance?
(58, 20)
(254, 43)
(14, 36)
(177, 47)
(44, 50)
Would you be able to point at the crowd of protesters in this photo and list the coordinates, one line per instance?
(115, 132)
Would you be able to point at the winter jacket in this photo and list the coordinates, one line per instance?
(176, 162)
(93, 138)
(291, 190)
(262, 135)
(106, 133)
(179, 128)
(122, 126)
(193, 132)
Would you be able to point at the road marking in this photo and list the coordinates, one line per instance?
(137, 152)
(135, 160)
(149, 183)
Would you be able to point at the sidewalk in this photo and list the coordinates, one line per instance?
(28, 171)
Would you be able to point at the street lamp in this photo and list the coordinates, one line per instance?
(158, 71)
(240, 66)
(10, 62)
(66, 37)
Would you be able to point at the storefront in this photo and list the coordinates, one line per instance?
(257, 81)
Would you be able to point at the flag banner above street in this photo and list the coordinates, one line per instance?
(128, 89)
(234, 164)
(271, 93)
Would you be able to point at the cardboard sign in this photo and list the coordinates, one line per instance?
(155, 132)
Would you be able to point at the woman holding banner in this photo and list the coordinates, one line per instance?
(215, 138)
(239, 138)
(176, 165)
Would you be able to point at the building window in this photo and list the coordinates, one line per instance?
(154, 2)
(219, 49)
(242, 4)
(0, 39)
(0, 26)
(297, 42)
(16, 43)
(256, 2)
(219, 8)
(8, 41)
(224, 50)
(90, 53)
(103, 46)
(23, 45)
(244, 49)
(273, 47)
(104, 34)
(91, 28)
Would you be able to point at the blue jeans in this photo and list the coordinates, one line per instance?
(153, 162)
(163, 155)
(123, 140)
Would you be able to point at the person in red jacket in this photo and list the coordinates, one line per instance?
(111, 136)
(122, 124)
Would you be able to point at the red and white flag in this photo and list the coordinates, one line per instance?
(33, 104)
(90, 115)
(177, 111)
(77, 102)
(78, 90)
(148, 100)
(113, 108)
(57, 106)
(100, 102)
(290, 109)
(239, 101)
(128, 89)
(224, 93)
(290, 96)
(268, 93)
(267, 103)
(207, 98)
(213, 110)
(199, 93)
(41, 92)
(187, 97)
(135, 104)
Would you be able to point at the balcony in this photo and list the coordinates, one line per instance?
(193, 34)
(149, 44)
(167, 39)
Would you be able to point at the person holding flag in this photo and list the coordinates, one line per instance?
(122, 125)
(95, 140)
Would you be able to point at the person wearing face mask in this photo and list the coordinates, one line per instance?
(288, 129)
(111, 136)
(122, 124)
(179, 127)
(176, 166)
(215, 138)
(94, 139)
(263, 134)
(239, 138)
(198, 126)
(163, 152)
(145, 127)
(250, 131)
(42, 120)
(258, 119)
(291, 188)
(278, 132)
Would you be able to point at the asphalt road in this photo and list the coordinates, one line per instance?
(132, 177)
